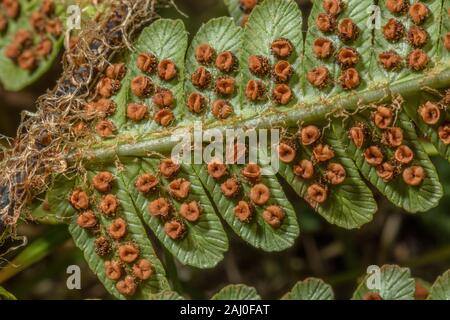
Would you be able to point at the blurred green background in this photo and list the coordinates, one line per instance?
(421, 242)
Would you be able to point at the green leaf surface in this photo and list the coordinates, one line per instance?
(6, 295)
(440, 290)
(310, 289)
(237, 292)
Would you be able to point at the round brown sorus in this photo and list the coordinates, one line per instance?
(393, 137)
(273, 216)
(286, 152)
(116, 71)
(3, 23)
(397, 6)
(12, 51)
(335, 173)
(44, 48)
(282, 94)
(319, 77)
(103, 181)
(247, 5)
(317, 193)
(47, 7)
(390, 60)
(255, 90)
(179, 188)
(323, 48)
(347, 57)
(160, 207)
(386, 171)
(12, 8)
(447, 41)
(349, 79)
(226, 61)
(164, 117)
(37, 21)
(251, 172)
(333, 7)
(128, 252)
(230, 187)
(325, 22)
(243, 211)
(372, 296)
(357, 135)
(204, 53)
(393, 30)
(430, 113)
(175, 229)
(102, 246)
(323, 152)
(404, 154)
(163, 98)
(225, 86)
(79, 200)
(104, 128)
(259, 194)
(146, 183)
(347, 30)
(217, 169)
(147, 62)
(54, 27)
(417, 60)
(79, 129)
(417, 36)
(143, 269)
(87, 220)
(304, 169)
(191, 211)
(142, 86)
(201, 78)
(137, 111)
(221, 109)
(282, 71)
(414, 175)
(167, 70)
(418, 12)
(309, 135)
(118, 229)
(374, 156)
(444, 133)
(109, 205)
(113, 269)
(27, 60)
(23, 38)
(383, 117)
(196, 102)
(282, 48)
(127, 286)
(168, 168)
(107, 87)
(258, 65)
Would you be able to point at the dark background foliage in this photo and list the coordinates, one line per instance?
(421, 242)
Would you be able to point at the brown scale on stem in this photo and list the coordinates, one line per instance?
(191, 211)
(282, 48)
(282, 71)
(430, 113)
(160, 208)
(325, 22)
(386, 171)
(113, 269)
(274, 216)
(87, 220)
(201, 78)
(323, 48)
(393, 30)
(127, 286)
(418, 12)
(255, 90)
(142, 86)
(163, 98)
(390, 60)
(143, 269)
(128, 252)
(164, 117)
(167, 70)
(103, 181)
(168, 168)
(104, 107)
(319, 77)
(216, 169)
(137, 111)
(252, 172)
(347, 30)
(258, 65)
(230, 188)
(383, 117)
(393, 137)
(349, 79)
(175, 229)
(179, 188)
(147, 62)
(225, 86)
(109, 205)
(317, 193)
(259, 194)
(414, 175)
(282, 94)
(146, 183)
(335, 173)
(404, 154)
(204, 53)
(286, 152)
(309, 135)
(243, 211)
(417, 60)
(79, 200)
(417, 36)
(304, 169)
(374, 156)
(118, 229)
(323, 153)
(226, 62)
(221, 109)
(444, 133)
(196, 102)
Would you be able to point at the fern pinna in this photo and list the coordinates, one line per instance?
(352, 100)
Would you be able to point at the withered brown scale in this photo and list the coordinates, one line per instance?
(196, 102)
(87, 220)
(404, 154)
(323, 152)
(167, 70)
(259, 194)
(393, 30)
(143, 269)
(418, 12)
(191, 211)
(160, 208)
(146, 183)
(390, 60)
(444, 133)
(179, 188)
(79, 200)
(430, 113)
(347, 30)
(226, 62)
(230, 188)
(137, 111)
(374, 156)
(386, 171)
(225, 86)
(204, 53)
(274, 216)
(319, 77)
(304, 169)
(417, 36)
(286, 152)
(113, 270)
(317, 193)
(259, 65)
(201, 78)
(175, 229)
(118, 229)
(282, 94)
(103, 181)
(243, 211)
(282, 48)
(128, 252)
(282, 71)
(414, 175)
(349, 79)
(147, 62)
(255, 90)
(163, 98)
(164, 117)
(127, 286)
(252, 172)
(221, 109)
(323, 48)
(417, 60)
(347, 57)
(325, 22)
(109, 205)
(142, 86)
(309, 135)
